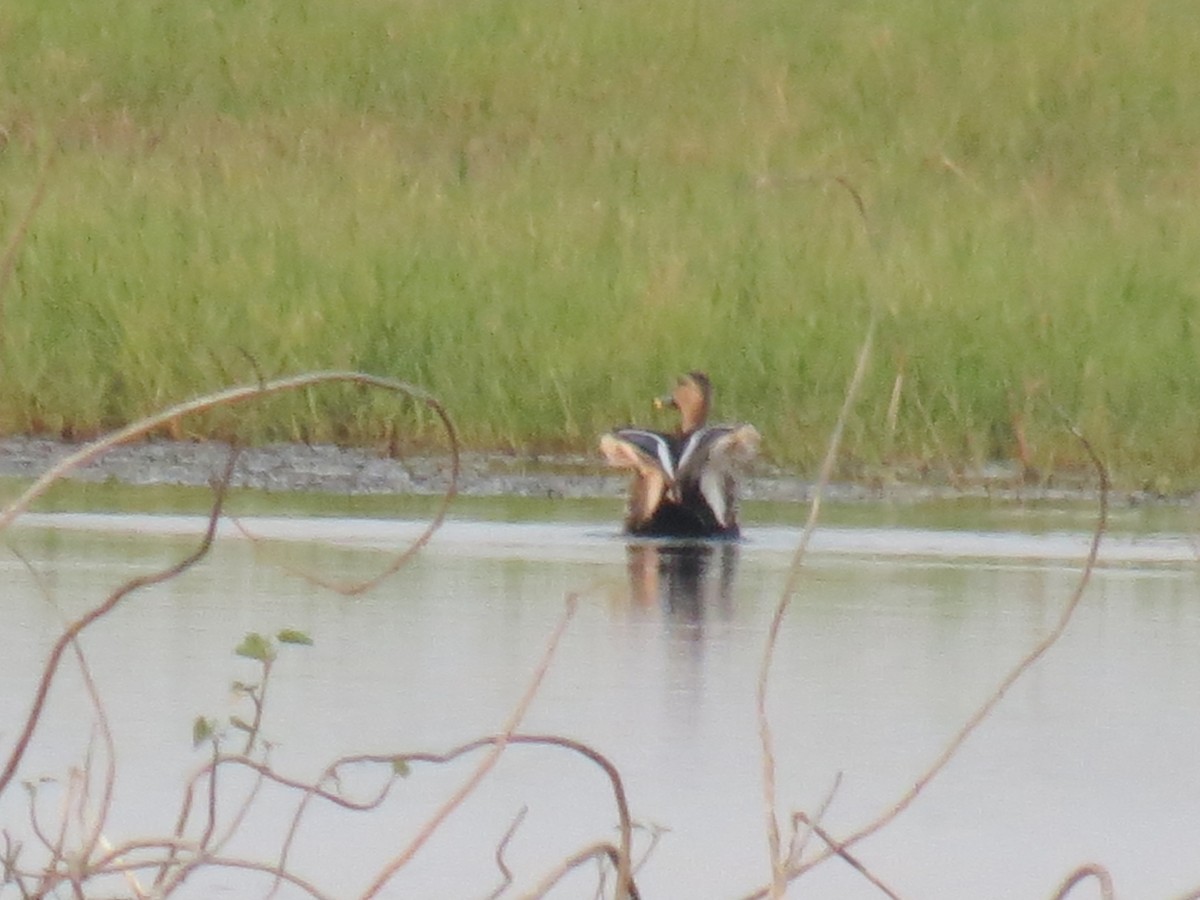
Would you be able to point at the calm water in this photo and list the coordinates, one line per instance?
(898, 633)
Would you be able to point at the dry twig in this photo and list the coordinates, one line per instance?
(506, 874)
(498, 744)
(79, 865)
(985, 709)
(1089, 870)
(228, 397)
(69, 636)
(779, 864)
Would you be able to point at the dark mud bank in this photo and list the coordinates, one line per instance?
(331, 469)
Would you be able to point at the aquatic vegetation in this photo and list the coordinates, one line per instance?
(83, 859)
(536, 210)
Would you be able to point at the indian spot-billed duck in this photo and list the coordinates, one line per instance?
(683, 483)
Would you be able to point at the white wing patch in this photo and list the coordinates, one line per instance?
(637, 443)
(649, 455)
(708, 461)
(710, 458)
(714, 489)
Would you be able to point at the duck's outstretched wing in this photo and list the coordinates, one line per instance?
(649, 455)
(647, 445)
(709, 460)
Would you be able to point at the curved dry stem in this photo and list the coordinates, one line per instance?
(208, 770)
(73, 631)
(800, 836)
(498, 744)
(989, 704)
(95, 832)
(779, 863)
(317, 791)
(94, 835)
(228, 397)
(778, 858)
(258, 697)
(208, 844)
(853, 861)
(35, 822)
(356, 588)
(265, 773)
(116, 856)
(625, 820)
(220, 862)
(506, 874)
(656, 832)
(171, 874)
(144, 426)
(1088, 870)
(599, 850)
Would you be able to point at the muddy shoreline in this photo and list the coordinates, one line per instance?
(331, 469)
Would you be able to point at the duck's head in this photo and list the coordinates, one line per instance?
(692, 396)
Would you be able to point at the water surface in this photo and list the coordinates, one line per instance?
(897, 634)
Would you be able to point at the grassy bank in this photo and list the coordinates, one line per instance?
(541, 211)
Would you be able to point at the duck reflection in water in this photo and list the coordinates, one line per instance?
(688, 580)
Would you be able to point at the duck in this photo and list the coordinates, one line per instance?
(683, 482)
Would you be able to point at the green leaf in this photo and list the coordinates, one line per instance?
(292, 636)
(400, 766)
(202, 730)
(255, 646)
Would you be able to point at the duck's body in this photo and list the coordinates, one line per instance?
(683, 483)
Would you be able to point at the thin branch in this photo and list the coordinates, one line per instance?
(600, 850)
(58, 851)
(35, 823)
(356, 588)
(258, 697)
(9, 870)
(113, 859)
(1088, 870)
(854, 861)
(656, 832)
(778, 862)
(800, 836)
(990, 703)
(501, 864)
(95, 835)
(486, 764)
(220, 862)
(1038, 651)
(266, 773)
(210, 821)
(625, 821)
(69, 636)
(207, 846)
(130, 875)
(96, 832)
(227, 397)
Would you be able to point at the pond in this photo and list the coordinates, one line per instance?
(901, 627)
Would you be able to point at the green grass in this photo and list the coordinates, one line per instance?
(541, 211)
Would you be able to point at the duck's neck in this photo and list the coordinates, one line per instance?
(692, 419)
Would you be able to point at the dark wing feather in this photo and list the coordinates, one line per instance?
(708, 461)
